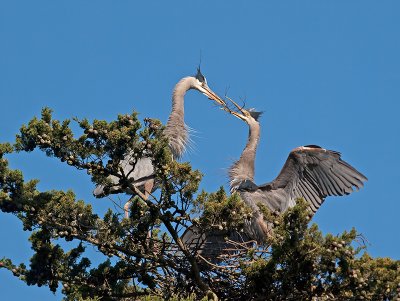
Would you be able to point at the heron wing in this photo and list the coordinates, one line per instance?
(313, 173)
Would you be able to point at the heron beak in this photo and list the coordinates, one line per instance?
(244, 112)
(211, 95)
(241, 117)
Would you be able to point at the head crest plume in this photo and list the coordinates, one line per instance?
(200, 76)
(255, 114)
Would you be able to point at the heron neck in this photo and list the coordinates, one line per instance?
(175, 129)
(243, 169)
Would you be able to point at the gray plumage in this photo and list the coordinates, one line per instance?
(213, 243)
(243, 169)
(142, 172)
(310, 172)
(142, 175)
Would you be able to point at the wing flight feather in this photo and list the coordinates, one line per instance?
(314, 173)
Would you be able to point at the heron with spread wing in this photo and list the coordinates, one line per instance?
(310, 172)
(142, 176)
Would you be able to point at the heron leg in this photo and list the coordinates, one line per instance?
(266, 228)
(148, 187)
(127, 205)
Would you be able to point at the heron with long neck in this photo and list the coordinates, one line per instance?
(212, 244)
(310, 172)
(241, 173)
(142, 176)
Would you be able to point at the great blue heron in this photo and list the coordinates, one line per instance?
(142, 176)
(310, 172)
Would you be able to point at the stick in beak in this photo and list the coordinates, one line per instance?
(211, 95)
(226, 108)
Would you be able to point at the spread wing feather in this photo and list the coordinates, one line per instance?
(313, 173)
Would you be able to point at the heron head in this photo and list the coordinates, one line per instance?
(200, 84)
(255, 114)
(250, 115)
(200, 77)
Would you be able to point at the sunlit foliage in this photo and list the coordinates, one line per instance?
(143, 257)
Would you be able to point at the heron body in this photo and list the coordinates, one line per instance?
(310, 172)
(142, 175)
(142, 172)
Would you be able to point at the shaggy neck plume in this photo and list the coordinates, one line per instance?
(175, 129)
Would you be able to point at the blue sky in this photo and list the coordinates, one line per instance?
(323, 72)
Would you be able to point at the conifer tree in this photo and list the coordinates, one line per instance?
(143, 256)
